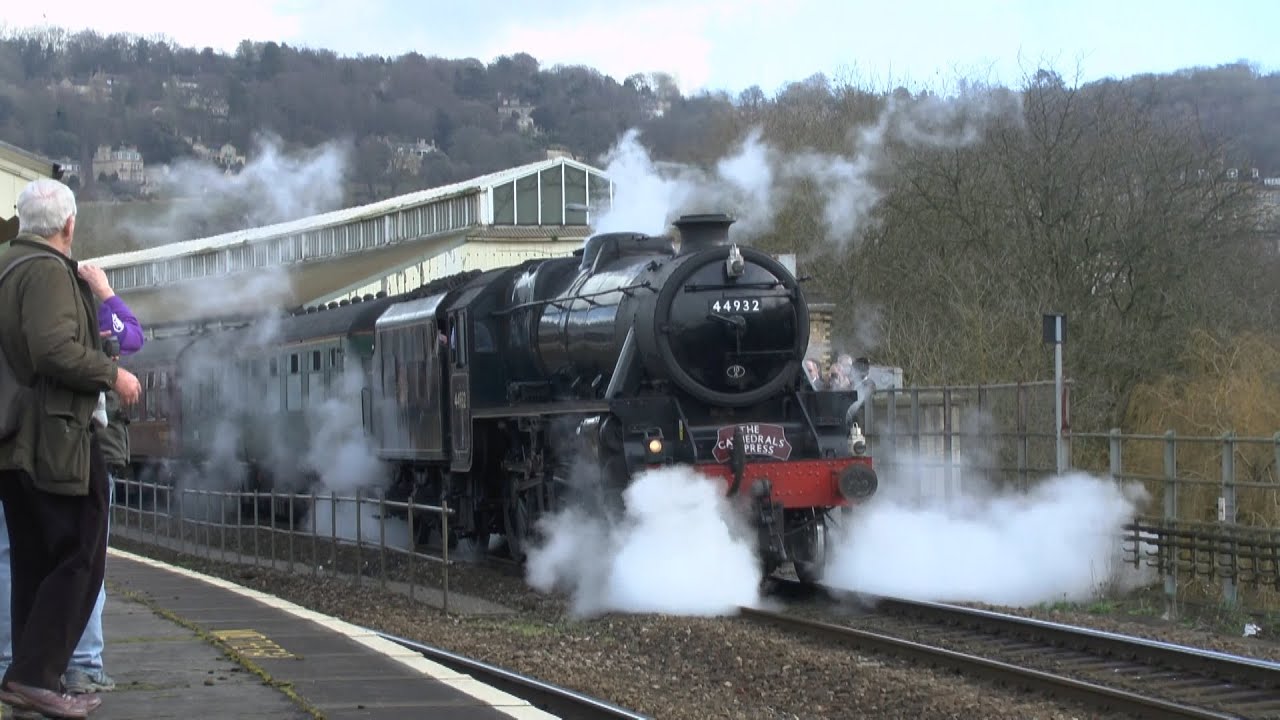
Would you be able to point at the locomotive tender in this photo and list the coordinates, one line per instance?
(511, 392)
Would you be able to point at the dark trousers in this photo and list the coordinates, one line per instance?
(58, 553)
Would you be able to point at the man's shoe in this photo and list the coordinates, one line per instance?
(78, 681)
(45, 702)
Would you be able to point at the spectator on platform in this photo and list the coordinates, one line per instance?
(53, 478)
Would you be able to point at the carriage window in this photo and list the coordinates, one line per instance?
(315, 360)
(458, 340)
(162, 398)
(274, 366)
(424, 337)
(293, 364)
(334, 355)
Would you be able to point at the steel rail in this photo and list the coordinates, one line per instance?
(561, 702)
(1263, 674)
(1099, 696)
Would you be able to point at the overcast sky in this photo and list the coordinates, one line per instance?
(730, 44)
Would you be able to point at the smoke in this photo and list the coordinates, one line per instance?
(680, 548)
(274, 186)
(340, 453)
(967, 541)
(339, 511)
(755, 180)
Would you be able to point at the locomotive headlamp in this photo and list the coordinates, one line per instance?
(655, 446)
(734, 265)
(857, 441)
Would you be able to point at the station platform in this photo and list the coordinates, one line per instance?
(185, 645)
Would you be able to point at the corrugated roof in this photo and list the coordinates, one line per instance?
(36, 162)
(529, 232)
(337, 217)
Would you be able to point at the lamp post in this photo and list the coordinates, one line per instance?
(1055, 331)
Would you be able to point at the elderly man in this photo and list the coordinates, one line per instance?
(53, 479)
(116, 323)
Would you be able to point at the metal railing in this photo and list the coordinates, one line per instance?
(1005, 431)
(1210, 526)
(288, 531)
(1212, 516)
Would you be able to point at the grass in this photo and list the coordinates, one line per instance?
(231, 653)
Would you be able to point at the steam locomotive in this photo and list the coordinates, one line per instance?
(512, 392)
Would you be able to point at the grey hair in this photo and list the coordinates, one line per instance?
(44, 206)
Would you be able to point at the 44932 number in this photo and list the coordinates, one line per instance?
(737, 305)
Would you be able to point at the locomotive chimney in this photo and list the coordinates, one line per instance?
(702, 231)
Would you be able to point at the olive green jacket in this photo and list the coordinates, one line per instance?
(49, 333)
(114, 438)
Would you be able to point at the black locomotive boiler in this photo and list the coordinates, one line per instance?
(511, 392)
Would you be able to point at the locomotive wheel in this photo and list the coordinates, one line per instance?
(520, 513)
(808, 548)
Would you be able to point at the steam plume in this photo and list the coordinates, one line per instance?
(275, 186)
(680, 549)
(920, 539)
(752, 182)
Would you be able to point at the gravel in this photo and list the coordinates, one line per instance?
(662, 666)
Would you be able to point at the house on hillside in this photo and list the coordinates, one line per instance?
(518, 111)
(124, 163)
(407, 157)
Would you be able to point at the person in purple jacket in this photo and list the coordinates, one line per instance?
(116, 322)
(119, 327)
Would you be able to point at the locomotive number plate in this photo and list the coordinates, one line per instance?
(736, 305)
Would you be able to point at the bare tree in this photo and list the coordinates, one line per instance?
(1088, 203)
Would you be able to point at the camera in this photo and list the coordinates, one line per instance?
(111, 346)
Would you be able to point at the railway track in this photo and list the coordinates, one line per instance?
(561, 702)
(1110, 672)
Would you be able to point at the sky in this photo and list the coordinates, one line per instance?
(731, 45)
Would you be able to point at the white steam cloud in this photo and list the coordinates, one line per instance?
(1058, 541)
(681, 548)
(752, 182)
(274, 186)
(327, 447)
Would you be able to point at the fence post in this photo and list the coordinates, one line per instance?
(293, 497)
(222, 524)
(948, 475)
(382, 539)
(273, 526)
(1024, 439)
(892, 427)
(915, 440)
(257, 523)
(182, 521)
(1114, 454)
(333, 531)
(315, 534)
(359, 547)
(1276, 468)
(444, 551)
(413, 543)
(1227, 513)
(155, 511)
(1170, 520)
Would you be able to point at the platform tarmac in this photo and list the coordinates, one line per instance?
(183, 645)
